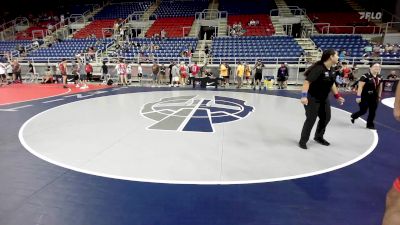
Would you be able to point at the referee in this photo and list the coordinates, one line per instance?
(320, 80)
(368, 94)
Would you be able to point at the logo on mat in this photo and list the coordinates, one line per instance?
(192, 113)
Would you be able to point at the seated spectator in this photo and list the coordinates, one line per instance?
(252, 22)
(392, 75)
(368, 48)
(396, 48)
(48, 76)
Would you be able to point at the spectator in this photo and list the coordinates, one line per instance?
(163, 33)
(3, 76)
(155, 70)
(239, 74)
(282, 76)
(89, 71)
(48, 76)
(392, 75)
(16, 72)
(162, 75)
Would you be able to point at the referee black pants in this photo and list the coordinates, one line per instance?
(367, 102)
(314, 109)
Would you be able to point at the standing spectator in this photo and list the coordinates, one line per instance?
(104, 72)
(223, 73)
(171, 65)
(162, 77)
(31, 71)
(83, 74)
(346, 73)
(155, 70)
(239, 74)
(9, 71)
(75, 73)
(175, 75)
(129, 72)
(195, 71)
(63, 71)
(3, 76)
(89, 71)
(121, 69)
(282, 76)
(247, 71)
(140, 73)
(258, 74)
(17, 72)
(183, 73)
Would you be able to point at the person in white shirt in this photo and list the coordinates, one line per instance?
(121, 69)
(129, 71)
(3, 73)
(140, 73)
(9, 71)
(175, 75)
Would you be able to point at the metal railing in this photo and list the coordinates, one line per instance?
(205, 14)
(295, 10)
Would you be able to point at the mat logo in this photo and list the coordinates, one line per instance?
(194, 114)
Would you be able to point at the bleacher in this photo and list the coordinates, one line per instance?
(121, 10)
(264, 28)
(96, 28)
(79, 9)
(354, 46)
(247, 7)
(169, 48)
(180, 8)
(321, 6)
(173, 26)
(249, 49)
(67, 49)
(7, 46)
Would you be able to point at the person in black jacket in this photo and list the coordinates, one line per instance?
(368, 94)
(282, 76)
(319, 82)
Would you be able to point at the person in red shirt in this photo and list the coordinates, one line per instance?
(63, 70)
(392, 211)
(89, 71)
(195, 69)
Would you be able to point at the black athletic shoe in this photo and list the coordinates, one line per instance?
(372, 127)
(302, 145)
(322, 141)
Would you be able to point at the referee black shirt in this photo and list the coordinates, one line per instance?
(321, 80)
(371, 84)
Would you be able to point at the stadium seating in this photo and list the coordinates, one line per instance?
(353, 44)
(121, 10)
(66, 49)
(6, 46)
(180, 8)
(79, 9)
(264, 28)
(247, 7)
(96, 28)
(168, 48)
(173, 26)
(252, 48)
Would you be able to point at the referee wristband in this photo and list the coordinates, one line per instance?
(337, 95)
(304, 94)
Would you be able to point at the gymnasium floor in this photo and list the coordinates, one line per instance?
(138, 155)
